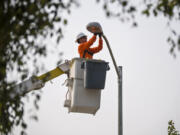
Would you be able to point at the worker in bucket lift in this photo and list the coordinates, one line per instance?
(84, 46)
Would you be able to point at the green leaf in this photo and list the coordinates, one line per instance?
(146, 12)
(124, 3)
(24, 125)
(65, 21)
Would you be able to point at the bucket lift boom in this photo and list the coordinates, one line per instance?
(86, 79)
(37, 82)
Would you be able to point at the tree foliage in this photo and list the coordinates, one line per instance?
(171, 128)
(128, 10)
(170, 9)
(23, 23)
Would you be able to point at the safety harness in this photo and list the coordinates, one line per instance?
(86, 51)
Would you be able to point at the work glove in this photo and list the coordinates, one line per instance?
(100, 35)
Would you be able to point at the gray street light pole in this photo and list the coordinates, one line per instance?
(120, 104)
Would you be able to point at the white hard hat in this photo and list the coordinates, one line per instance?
(80, 35)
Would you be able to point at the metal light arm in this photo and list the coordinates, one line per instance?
(112, 56)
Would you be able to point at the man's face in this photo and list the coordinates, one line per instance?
(83, 39)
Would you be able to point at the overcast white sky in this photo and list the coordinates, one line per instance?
(151, 76)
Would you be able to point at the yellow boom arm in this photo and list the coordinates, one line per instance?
(37, 82)
(51, 74)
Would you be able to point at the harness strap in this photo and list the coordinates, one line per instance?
(86, 51)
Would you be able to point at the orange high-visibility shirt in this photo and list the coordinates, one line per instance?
(85, 48)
